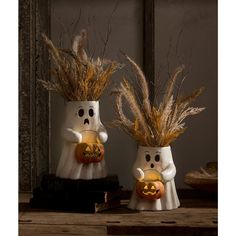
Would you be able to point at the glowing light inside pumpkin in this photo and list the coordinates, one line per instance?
(89, 136)
(90, 150)
(152, 175)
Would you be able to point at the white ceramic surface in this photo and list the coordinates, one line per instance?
(149, 160)
(82, 122)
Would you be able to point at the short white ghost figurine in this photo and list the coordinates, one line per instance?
(154, 127)
(82, 124)
(152, 162)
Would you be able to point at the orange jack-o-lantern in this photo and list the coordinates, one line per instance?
(150, 190)
(89, 152)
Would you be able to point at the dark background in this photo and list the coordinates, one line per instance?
(185, 32)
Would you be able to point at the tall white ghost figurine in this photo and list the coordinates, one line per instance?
(81, 81)
(82, 123)
(152, 162)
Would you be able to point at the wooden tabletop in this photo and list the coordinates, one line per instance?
(196, 216)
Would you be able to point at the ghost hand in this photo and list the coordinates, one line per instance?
(139, 174)
(102, 136)
(168, 173)
(72, 136)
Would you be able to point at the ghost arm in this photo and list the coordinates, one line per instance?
(169, 172)
(71, 135)
(138, 174)
(102, 134)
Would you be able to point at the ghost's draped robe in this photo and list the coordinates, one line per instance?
(167, 169)
(68, 167)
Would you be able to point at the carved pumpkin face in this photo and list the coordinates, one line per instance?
(89, 152)
(150, 190)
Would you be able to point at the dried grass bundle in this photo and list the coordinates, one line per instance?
(154, 125)
(76, 76)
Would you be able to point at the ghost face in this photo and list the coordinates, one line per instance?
(149, 161)
(152, 161)
(83, 115)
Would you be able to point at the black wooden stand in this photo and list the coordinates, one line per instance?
(77, 195)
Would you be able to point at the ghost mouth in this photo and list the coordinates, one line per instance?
(86, 121)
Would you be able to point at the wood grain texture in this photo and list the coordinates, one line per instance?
(24, 96)
(42, 98)
(194, 217)
(190, 219)
(32, 229)
(181, 221)
(33, 100)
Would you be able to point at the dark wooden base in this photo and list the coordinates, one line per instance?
(77, 195)
(197, 216)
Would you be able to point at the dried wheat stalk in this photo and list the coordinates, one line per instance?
(154, 125)
(76, 76)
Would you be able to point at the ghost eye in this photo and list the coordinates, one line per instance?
(91, 112)
(81, 112)
(148, 158)
(157, 158)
